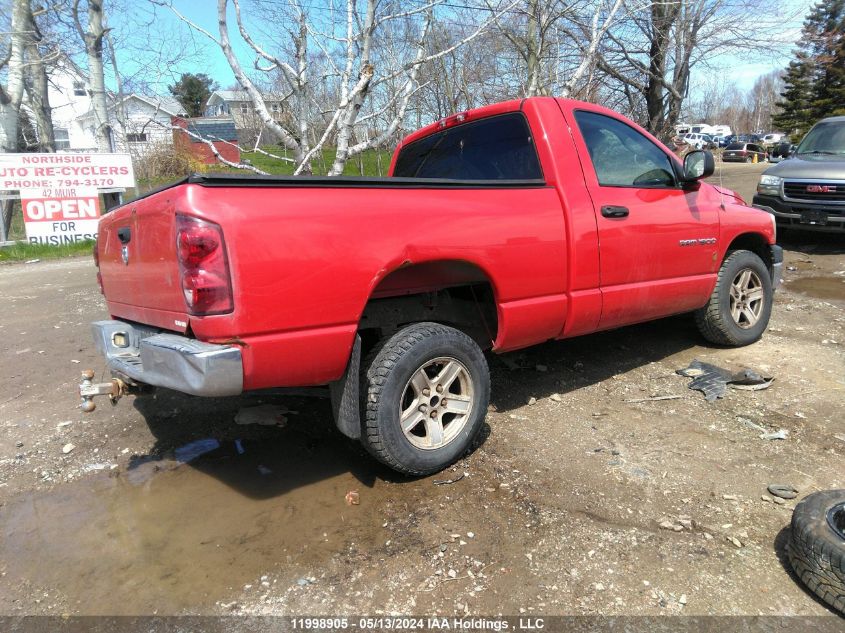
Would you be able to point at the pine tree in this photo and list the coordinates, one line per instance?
(829, 88)
(794, 117)
(814, 83)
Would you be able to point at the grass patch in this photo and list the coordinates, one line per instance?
(373, 162)
(22, 252)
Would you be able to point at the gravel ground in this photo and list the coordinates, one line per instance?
(584, 495)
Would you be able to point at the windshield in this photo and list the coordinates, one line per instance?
(824, 138)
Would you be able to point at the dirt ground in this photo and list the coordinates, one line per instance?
(165, 505)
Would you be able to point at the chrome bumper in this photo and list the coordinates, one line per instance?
(169, 360)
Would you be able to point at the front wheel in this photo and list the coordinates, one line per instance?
(741, 304)
(427, 389)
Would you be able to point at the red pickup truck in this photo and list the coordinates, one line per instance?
(497, 228)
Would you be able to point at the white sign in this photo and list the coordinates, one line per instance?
(65, 171)
(60, 192)
(60, 216)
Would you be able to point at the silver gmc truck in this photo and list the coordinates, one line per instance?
(807, 191)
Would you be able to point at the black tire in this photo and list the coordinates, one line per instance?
(816, 547)
(715, 321)
(385, 383)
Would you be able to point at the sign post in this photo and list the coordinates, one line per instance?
(60, 192)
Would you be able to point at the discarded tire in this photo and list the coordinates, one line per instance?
(817, 546)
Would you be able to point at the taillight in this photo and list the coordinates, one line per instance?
(203, 267)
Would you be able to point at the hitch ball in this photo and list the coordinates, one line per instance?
(88, 389)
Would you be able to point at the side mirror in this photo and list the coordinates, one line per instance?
(697, 165)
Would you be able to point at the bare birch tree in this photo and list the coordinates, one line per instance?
(93, 34)
(356, 67)
(39, 54)
(11, 96)
(652, 52)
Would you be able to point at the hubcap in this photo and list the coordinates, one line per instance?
(436, 403)
(746, 298)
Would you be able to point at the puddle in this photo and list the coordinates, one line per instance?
(827, 288)
(168, 536)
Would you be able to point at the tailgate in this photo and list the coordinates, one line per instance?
(140, 272)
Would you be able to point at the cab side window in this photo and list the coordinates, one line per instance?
(621, 156)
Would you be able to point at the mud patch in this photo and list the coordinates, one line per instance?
(166, 536)
(828, 288)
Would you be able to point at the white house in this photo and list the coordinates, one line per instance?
(67, 89)
(138, 122)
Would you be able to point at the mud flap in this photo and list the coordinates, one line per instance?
(345, 394)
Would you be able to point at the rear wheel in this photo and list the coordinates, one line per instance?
(741, 304)
(427, 388)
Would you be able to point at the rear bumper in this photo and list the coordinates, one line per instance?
(170, 360)
(789, 214)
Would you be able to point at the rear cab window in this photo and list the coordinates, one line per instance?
(622, 156)
(735, 146)
(494, 148)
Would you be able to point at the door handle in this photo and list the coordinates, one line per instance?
(614, 212)
(124, 235)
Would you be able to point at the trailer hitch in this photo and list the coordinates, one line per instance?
(114, 389)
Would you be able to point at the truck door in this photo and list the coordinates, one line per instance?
(657, 239)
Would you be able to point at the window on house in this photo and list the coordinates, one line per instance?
(62, 138)
(244, 107)
(275, 107)
(79, 88)
(136, 138)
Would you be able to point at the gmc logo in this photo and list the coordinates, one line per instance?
(821, 189)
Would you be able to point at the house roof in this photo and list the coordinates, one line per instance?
(243, 95)
(167, 105)
(213, 128)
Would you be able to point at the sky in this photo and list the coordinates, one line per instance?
(186, 51)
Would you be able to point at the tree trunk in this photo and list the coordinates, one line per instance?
(93, 38)
(35, 80)
(533, 46)
(11, 96)
(663, 16)
(10, 100)
(302, 95)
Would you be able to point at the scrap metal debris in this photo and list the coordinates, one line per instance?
(784, 491)
(353, 498)
(713, 381)
(445, 482)
(782, 434)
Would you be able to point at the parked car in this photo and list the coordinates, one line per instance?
(773, 138)
(780, 152)
(697, 141)
(744, 153)
(807, 190)
(498, 228)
